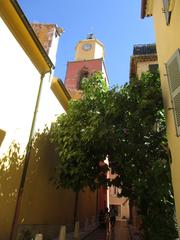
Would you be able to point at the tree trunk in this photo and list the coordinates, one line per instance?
(76, 207)
(131, 211)
(97, 202)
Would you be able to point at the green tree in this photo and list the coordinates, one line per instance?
(140, 157)
(126, 125)
(74, 135)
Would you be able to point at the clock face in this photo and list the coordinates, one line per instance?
(87, 46)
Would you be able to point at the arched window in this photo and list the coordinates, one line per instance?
(84, 73)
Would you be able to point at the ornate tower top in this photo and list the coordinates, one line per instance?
(90, 36)
(89, 48)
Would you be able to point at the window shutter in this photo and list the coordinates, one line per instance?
(166, 4)
(173, 71)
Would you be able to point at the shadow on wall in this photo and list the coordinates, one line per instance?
(10, 173)
(43, 207)
(2, 136)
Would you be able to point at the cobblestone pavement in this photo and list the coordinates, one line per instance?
(120, 232)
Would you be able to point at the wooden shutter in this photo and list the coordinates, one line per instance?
(173, 71)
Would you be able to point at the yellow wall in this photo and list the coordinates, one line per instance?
(19, 84)
(9, 184)
(42, 203)
(87, 204)
(168, 40)
(20, 80)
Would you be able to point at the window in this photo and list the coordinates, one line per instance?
(153, 67)
(168, 6)
(173, 72)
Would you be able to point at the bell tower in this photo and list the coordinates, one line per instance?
(89, 58)
(90, 48)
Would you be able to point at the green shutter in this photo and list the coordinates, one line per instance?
(173, 72)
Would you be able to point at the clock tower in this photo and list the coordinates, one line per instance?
(89, 58)
(90, 48)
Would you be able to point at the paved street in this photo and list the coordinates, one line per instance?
(120, 232)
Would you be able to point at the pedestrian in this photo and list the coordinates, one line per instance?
(112, 216)
(106, 219)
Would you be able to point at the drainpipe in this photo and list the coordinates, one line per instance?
(26, 163)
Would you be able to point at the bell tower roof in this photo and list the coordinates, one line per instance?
(89, 48)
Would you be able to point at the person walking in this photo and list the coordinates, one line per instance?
(106, 219)
(112, 216)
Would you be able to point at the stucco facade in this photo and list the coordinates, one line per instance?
(144, 56)
(29, 99)
(166, 24)
(144, 67)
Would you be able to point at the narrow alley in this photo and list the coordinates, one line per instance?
(120, 232)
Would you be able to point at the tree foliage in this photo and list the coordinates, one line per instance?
(126, 125)
(142, 161)
(75, 133)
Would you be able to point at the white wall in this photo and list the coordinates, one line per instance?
(98, 51)
(19, 86)
(19, 83)
(105, 75)
(49, 107)
(54, 46)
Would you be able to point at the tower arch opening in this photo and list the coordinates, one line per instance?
(84, 73)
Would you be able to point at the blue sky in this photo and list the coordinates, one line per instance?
(116, 23)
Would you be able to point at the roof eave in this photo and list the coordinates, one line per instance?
(143, 8)
(146, 8)
(60, 92)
